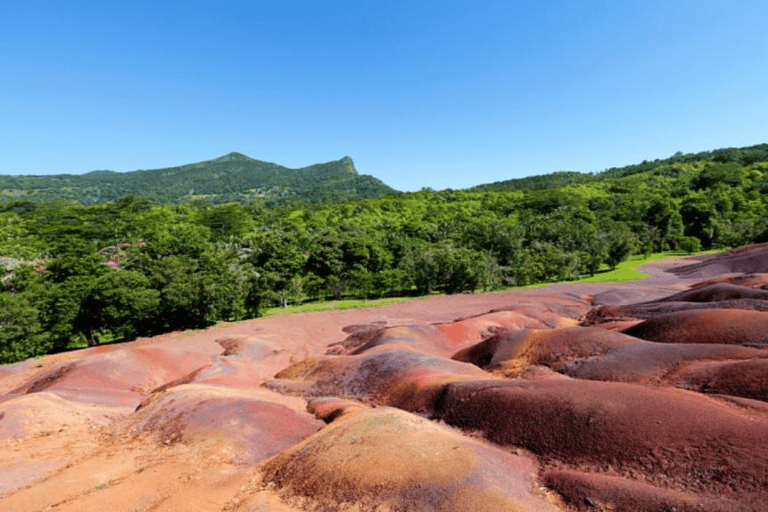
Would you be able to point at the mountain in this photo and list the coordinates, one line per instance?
(232, 177)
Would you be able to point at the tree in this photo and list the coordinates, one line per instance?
(183, 287)
(689, 244)
(502, 239)
(699, 217)
(620, 242)
(121, 303)
(21, 333)
(227, 220)
(452, 269)
(661, 212)
(70, 276)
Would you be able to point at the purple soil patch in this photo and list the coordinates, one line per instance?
(446, 338)
(256, 423)
(747, 379)
(594, 491)
(467, 332)
(718, 326)
(552, 347)
(666, 434)
(388, 374)
(617, 296)
(359, 335)
(717, 292)
(746, 259)
(423, 337)
(245, 363)
(248, 347)
(651, 362)
(232, 372)
(17, 476)
(606, 314)
(47, 380)
(328, 408)
(749, 280)
(117, 378)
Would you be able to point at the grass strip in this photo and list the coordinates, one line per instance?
(624, 271)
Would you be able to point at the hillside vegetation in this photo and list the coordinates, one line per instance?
(230, 178)
(83, 274)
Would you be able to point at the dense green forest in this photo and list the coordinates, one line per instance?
(79, 274)
(230, 178)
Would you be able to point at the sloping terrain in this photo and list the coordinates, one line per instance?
(589, 397)
(232, 177)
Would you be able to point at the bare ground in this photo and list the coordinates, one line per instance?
(525, 401)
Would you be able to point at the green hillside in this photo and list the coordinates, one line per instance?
(741, 156)
(233, 177)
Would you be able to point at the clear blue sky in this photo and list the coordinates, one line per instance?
(443, 94)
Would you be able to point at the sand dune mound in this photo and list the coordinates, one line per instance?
(717, 292)
(747, 259)
(117, 378)
(511, 352)
(426, 338)
(755, 280)
(388, 374)
(655, 362)
(667, 434)
(747, 379)
(254, 424)
(607, 314)
(595, 491)
(446, 338)
(387, 459)
(719, 326)
(46, 413)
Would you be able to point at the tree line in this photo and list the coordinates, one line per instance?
(75, 275)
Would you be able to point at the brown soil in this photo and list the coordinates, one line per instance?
(721, 326)
(747, 259)
(483, 402)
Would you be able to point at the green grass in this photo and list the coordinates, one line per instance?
(334, 304)
(627, 270)
(624, 271)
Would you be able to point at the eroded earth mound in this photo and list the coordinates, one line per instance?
(644, 396)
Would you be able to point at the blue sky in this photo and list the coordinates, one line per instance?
(441, 94)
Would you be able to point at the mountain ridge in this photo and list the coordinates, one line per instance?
(234, 177)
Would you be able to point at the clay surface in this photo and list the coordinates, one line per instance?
(648, 395)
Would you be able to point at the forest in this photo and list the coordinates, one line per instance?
(78, 274)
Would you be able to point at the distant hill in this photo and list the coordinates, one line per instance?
(232, 177)
(742, 156)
